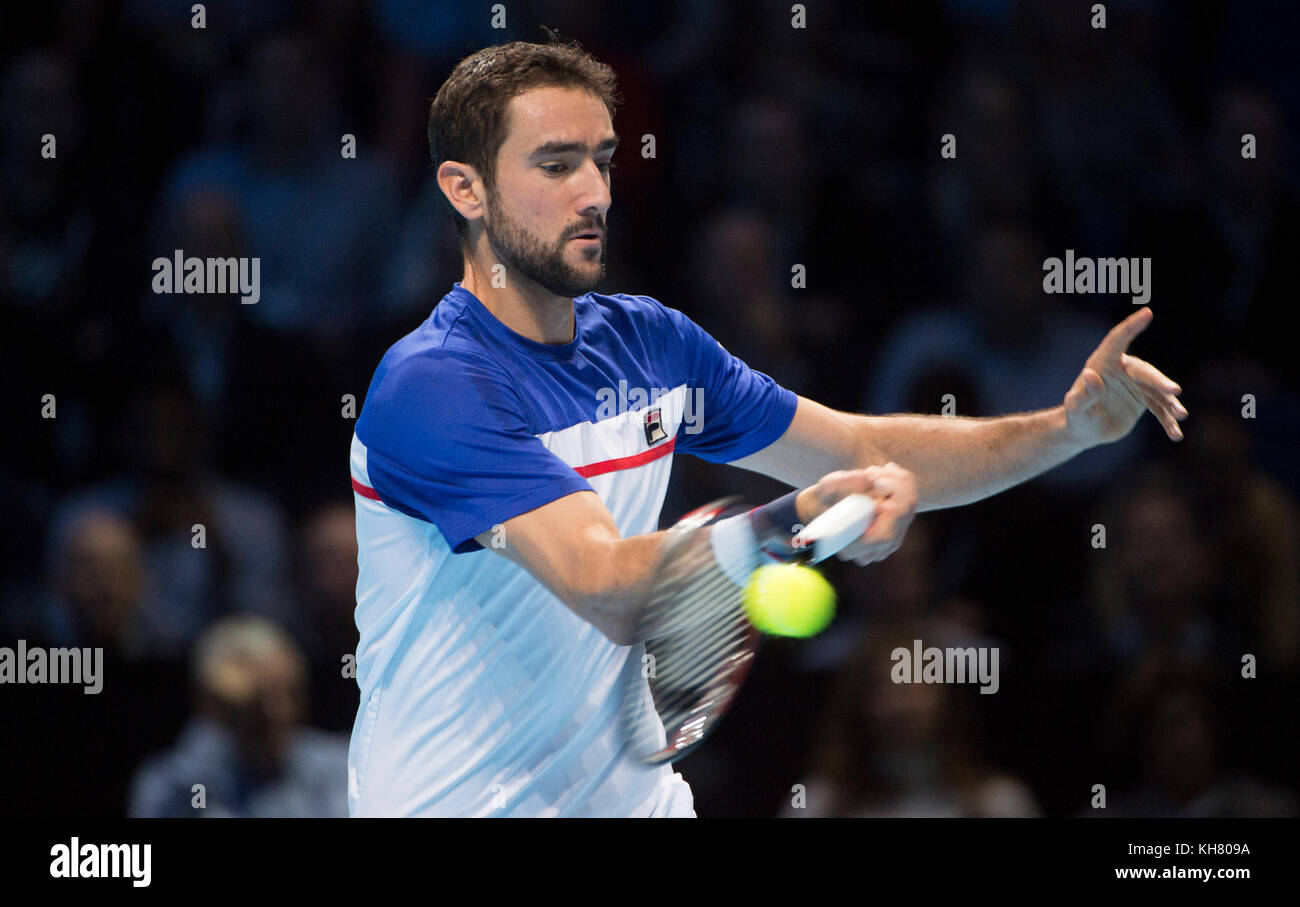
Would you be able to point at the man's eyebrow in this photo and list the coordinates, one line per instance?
(570, 147)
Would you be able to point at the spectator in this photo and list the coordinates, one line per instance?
(96, 598)
(321, 224)
(211, 545)
(245, 744)
(247, 381)
(96, 592)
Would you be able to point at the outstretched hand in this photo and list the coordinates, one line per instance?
(1114, 389)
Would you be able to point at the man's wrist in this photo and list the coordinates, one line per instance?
(741, 543)
(1058, 429)
(775, 526)
(803, 505)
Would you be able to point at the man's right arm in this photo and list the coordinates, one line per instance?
(573, 548)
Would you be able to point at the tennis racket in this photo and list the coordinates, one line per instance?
(700, 644)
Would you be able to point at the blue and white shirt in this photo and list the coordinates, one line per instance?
(482, 694)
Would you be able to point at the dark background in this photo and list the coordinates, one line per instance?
(775, 146)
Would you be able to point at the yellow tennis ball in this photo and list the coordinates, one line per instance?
(789, 600)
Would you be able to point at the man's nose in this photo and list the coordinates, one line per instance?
(595, 191)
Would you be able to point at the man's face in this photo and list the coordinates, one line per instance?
(261, 699)
(546, 216)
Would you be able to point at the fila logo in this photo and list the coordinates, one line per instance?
(624, 402)
(654, 429)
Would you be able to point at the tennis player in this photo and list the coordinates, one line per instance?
(507, 518)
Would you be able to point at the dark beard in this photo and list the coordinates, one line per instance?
(528, 257)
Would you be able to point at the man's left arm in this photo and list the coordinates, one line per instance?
(954, 460)
(959, 460)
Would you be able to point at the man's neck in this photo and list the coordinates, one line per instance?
(523, 306)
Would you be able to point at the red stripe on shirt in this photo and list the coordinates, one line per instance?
(592, 469)
(646, 456)
(365, 491)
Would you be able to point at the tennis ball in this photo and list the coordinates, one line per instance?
(789, 600)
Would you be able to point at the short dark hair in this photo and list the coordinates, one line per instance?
(467, 118)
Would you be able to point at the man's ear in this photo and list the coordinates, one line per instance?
(463, 187)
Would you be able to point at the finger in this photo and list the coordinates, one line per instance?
(855, 553)
(840, 484)
(841, 478)
(1174, 405)
(884, 487)
(1148, 374)
(1162, 407)
(888, 490)
(1122, 334)
(1166, 403)
(1165, 416)
(858, 553)
(855, 549)
(884, 526)
(866, 556)
(882, 552)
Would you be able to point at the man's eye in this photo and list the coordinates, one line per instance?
(560, 168)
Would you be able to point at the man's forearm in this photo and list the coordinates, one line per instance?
(958, 460)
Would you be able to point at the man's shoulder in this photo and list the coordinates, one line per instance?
(632, 313)
(442, 381)
(434, 350)
(633, 305)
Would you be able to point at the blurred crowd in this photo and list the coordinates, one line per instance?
(177, 464)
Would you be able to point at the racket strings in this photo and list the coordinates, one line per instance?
(691, 660)
(690, 583)
(700, 641)
(713, 615)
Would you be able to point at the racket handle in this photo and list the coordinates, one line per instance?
(841, 524)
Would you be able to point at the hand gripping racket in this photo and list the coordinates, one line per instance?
(700, 644)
